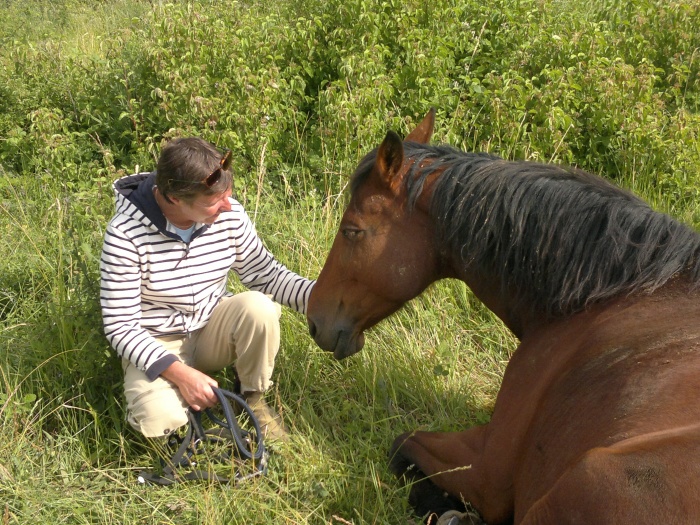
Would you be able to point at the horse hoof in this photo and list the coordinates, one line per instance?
(426, 498)
(454, 517)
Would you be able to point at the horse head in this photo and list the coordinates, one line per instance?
(382, 256)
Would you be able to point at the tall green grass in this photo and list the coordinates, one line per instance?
(300, 90)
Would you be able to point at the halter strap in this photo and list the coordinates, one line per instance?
(196, 438)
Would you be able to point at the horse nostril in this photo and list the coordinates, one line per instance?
(312, 329)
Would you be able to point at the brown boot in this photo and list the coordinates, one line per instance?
(271, 423)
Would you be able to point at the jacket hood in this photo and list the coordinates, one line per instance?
(137, 189)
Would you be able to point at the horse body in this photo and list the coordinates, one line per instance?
(561, 407)
(596, 420)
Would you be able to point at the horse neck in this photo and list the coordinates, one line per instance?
(488, 288)
(497, 297)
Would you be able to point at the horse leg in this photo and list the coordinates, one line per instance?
(447, 469)
(426, 498)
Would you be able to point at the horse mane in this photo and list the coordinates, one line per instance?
(560, 237)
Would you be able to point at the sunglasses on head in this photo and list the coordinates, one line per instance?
(215, 175)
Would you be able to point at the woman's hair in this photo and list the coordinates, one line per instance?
(184, 166)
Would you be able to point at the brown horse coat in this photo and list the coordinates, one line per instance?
(594, 423)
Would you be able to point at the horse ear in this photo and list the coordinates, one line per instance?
(424, 130)
(390, 160)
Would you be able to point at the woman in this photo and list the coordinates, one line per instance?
(166, 256)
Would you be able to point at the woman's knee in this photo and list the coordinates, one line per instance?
(258, 307)
(156, 416)
(263, 304)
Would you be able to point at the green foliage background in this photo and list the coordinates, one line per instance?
(300, 90)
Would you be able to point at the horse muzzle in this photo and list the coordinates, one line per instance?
(341, 341)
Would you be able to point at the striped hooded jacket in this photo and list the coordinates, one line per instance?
(154, 284)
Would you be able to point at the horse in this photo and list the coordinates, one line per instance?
(597, 419)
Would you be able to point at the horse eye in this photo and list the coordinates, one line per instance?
(352, 234)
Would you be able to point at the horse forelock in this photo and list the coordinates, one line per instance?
(562, 238)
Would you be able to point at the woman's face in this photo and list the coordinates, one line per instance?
(204, 208)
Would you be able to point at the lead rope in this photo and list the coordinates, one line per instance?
(196, 438)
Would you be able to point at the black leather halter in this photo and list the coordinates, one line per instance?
(243, 446)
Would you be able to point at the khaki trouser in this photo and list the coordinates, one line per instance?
(243, 330)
